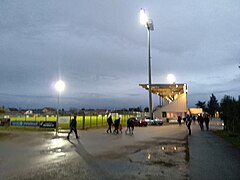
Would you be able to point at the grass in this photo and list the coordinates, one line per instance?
(90, 122)
(229, 136)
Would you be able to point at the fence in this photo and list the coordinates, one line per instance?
(83, 121)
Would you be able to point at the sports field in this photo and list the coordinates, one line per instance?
(64, 121)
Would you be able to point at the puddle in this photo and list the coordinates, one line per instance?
(55, 147)
(166, 155)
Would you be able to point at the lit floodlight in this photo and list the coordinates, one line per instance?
(59, 86)
(171, 78)
(148, 23)
(143, 18)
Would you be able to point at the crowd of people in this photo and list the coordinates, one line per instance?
(130, 124)
(200, 119)
(118, 126)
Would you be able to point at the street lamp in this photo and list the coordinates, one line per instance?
(148, 23)
(59, 86)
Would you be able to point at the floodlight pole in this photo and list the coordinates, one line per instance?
(149, 76)
(148, 23)
(57, 114)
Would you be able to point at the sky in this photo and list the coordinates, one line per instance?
(99, 49)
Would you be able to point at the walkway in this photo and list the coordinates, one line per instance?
(211, 157)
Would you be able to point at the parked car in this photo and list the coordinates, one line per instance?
(138, 121)
(155, 121)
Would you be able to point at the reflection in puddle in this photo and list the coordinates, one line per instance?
(51, 151)
(149, 156)
(55, 147)
(163, 154)
(171, 148)
(60, 154)
(57, 143)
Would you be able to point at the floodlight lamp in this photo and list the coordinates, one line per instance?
(59, 86)
(171, 78)
(143, 17)
(150, 25)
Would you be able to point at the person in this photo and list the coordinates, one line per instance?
(188, 123)
(73, 127)
(116, 125)
(130, 126)
(109, 121)
(179, 120)
(120, 128)
(200, 121)
(194, 119)
(206, 120)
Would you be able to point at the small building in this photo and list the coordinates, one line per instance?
(101, 111)
(49, 111)
(172, 100)
(195, 111)
(28, 112)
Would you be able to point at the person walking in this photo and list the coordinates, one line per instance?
(110, 122)
(188, 123)
(179, 120)
(116, 125)
(130, 126)
(200, 121)
(73, 127)
(206, 120)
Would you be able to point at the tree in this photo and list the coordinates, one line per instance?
(146, 109)
(73, 110)
(201, 104)
(230, 113)
(2, 110)
(213, 105)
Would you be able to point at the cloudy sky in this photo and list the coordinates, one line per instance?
(100, 50)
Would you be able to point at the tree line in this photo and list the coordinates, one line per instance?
(228, 108)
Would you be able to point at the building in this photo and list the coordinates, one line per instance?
(195, 111)
(172, 100)
(49, 111)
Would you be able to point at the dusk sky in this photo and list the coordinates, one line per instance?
(99, 49)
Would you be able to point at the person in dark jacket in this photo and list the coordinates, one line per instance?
(130, 126)
(110, 122)
(73, 127)
(179, 120)
(200, 121)
(206, 120)
(116, 125)
(188, 123)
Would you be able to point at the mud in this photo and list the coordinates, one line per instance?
(162, 158)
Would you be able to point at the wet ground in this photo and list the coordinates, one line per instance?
(151, 153)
